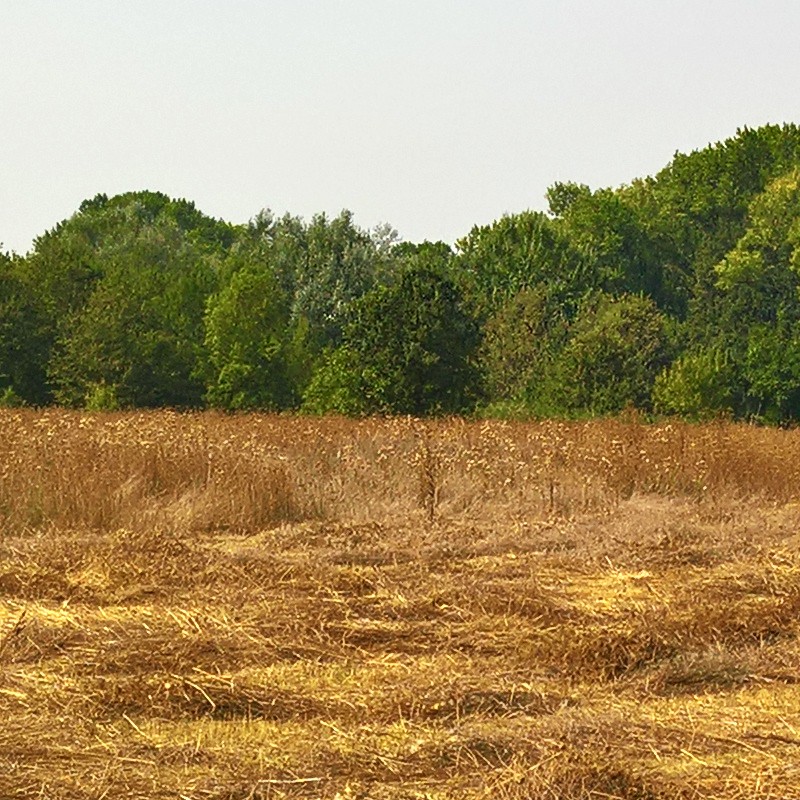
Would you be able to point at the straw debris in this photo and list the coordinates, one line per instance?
(240, 607)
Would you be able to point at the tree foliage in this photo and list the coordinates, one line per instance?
(23, 341)
(520, 343)
(615, 349)
(698, 385)
(410, 347)
(519, 252)
(246, 339)
(130, 320)
(678, 293)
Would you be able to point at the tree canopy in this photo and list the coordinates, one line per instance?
(676, 294)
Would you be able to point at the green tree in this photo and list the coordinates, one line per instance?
(698, 385)
(616, 347)
(139, 335)
(771, 242)
(520, 342)
(249, 350)
(495, 262)
(23, 337)
(408, 349)
(136, 266)
(609, 235)
(771, 371)
(759, 304)
(340, 263)
(696, 209)
(338, 385)
(436, 256)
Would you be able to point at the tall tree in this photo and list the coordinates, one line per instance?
(518, 252)
(408, 349)
(248, 343)
(759, 323)
(520, 342)
(138, 337)
(340, 264)
(23, 337)
(608, 233)
(616, 348)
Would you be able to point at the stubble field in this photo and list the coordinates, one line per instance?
(245, 607)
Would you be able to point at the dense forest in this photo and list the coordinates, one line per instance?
(676, 294)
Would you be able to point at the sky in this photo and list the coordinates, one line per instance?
(431, 115)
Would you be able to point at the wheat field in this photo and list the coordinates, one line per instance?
(204, 606)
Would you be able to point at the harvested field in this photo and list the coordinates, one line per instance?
(245, 607)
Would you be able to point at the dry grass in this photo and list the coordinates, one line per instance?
(237, 608)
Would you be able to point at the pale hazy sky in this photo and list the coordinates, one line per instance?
(432, 115)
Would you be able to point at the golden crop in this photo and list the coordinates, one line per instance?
(240, 607)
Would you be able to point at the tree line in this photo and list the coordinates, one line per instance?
(675, 294)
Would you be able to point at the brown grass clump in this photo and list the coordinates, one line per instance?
(239, 607)
(211, 472)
